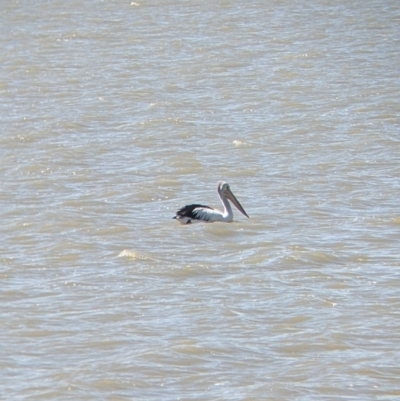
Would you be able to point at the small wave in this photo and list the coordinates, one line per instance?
(127, 253)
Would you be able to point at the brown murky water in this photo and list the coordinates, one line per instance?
(114, 114)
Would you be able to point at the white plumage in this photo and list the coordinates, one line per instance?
(196, 212)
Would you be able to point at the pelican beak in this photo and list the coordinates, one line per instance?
(232, 198)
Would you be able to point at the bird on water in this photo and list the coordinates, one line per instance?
(195, 212)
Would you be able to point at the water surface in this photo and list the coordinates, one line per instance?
(115, 114)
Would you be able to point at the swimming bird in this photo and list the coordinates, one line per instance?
(195, 212)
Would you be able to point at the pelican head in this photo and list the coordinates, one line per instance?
(225, 191)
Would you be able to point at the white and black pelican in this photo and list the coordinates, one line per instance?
(194, 213)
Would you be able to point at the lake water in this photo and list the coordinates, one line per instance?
(114, 114)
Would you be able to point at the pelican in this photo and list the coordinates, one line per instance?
(196, 212)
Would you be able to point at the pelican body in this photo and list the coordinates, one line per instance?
(196, 212)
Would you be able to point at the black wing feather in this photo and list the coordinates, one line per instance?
(188, 211)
